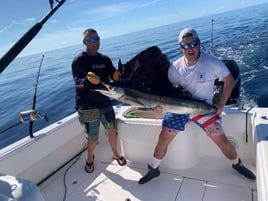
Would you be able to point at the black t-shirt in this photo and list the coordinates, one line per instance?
(102, 66)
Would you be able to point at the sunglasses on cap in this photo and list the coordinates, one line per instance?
(188, 45)
(93, 38)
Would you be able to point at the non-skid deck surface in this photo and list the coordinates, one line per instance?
(212, 179)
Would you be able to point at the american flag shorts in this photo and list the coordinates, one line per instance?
(178, 121)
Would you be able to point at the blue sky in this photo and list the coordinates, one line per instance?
(109, 17)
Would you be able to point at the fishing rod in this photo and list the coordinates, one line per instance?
(27, 37)
(33, 112)
(30, 115)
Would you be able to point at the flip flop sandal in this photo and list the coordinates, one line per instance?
(121, 161)
(90, 166)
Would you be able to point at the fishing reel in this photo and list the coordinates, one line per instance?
(32, 115)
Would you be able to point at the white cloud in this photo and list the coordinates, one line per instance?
(112, 9)
(24, 22)
(6, 28)
(150, 3)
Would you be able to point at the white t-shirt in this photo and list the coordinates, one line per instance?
(198, 79)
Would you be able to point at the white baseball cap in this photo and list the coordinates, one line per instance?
(187, 31)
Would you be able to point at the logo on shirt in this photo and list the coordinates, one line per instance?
(201, 77)
(98, 66)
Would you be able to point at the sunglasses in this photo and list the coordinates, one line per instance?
(187, 46)
(93, 39)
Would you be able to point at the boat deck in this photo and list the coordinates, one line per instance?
(211, 179)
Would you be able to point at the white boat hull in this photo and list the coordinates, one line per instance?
(37, 158)
(139, 137)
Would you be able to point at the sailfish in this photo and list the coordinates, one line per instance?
(144, 82)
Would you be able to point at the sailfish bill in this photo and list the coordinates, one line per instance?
(168, 104)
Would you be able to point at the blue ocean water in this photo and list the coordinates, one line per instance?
(240, 35)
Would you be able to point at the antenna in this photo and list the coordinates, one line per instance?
(211, 41)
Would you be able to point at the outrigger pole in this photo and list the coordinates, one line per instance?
(26, 38)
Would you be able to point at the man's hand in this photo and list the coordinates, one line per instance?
(116, 75)
(93, 78)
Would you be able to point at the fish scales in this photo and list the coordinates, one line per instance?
(168, 104)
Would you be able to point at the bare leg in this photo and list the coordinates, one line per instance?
(164, 139)
(225, 146)
(90, 150)
(112, 137)
(229, 151)
(160, 151)
(90, 155)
